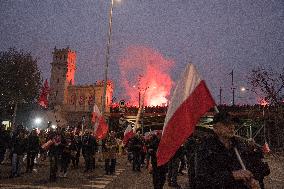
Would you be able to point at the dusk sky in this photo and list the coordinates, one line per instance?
(215, 35)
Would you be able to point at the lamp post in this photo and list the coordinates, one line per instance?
(233, 87)
(107, 56)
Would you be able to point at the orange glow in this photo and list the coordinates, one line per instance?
(70, 75)
(143, 68)
(263, 102)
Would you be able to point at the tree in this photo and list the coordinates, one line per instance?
(269, 83)
(20, 80)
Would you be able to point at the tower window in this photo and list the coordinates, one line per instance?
(56, 93)
(57, 80)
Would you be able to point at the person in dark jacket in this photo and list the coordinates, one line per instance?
(158, 173)
(19, 143)
(3, 143)
(136, 147)
(217, 165)
(66, 143)
(88, 150)
(33, 147)
(252, 155)
(53, 153)
(173, 166)
(77, 145)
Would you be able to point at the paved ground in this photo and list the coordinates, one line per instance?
(124, 178)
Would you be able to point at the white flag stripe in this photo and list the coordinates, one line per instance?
(190, 76)
(96, 109)
(128, 129)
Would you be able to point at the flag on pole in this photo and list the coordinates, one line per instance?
(128, 134)
(42, 101)
(100, 125)
(191, 99)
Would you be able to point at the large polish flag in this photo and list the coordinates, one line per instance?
(100, 125)
(128, 134)
(191, 99)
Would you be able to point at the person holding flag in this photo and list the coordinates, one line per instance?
(218, 162)
(191, 99)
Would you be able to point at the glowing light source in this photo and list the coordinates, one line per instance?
(53, 126)
(243, 89)
(149, 71)
(38, 120)
(263, 102)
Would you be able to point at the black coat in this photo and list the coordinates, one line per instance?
(136, 145)
(214, 166)
(89, 145)
(33, 145)
(19, 145)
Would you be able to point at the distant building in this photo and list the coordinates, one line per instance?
(74, 101)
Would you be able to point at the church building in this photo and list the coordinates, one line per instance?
(74, 102)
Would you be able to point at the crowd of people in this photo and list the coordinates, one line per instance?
(60, 146)
(209, 160)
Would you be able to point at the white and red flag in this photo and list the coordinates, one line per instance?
(100, 125)
(191, 99)
(128, 134)
(42, 101)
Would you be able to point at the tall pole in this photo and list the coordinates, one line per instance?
(233, 87)
(220, 95)
(14, 116)
(139, 99)
(107, 57)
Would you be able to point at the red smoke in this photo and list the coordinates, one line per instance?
(144, 68)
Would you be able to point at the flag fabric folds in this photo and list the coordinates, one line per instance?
(42, 101)
(100, 125)
(191, 99)
(128, 134)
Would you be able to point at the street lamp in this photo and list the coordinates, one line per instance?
(53, 127)
(38, 121)
(243, 89)
(107, 54)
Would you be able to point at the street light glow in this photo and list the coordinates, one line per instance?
(243, 89)
(38, 120)
(53, 126)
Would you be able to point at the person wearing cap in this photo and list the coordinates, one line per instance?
(216, 163)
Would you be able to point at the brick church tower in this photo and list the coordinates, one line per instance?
(62, 75)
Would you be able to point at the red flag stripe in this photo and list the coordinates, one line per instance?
(100, 125)
(182, 123)
(128, 136)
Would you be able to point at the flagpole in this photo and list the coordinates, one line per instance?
(82, 126)
(139, 111)
(107, 57)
